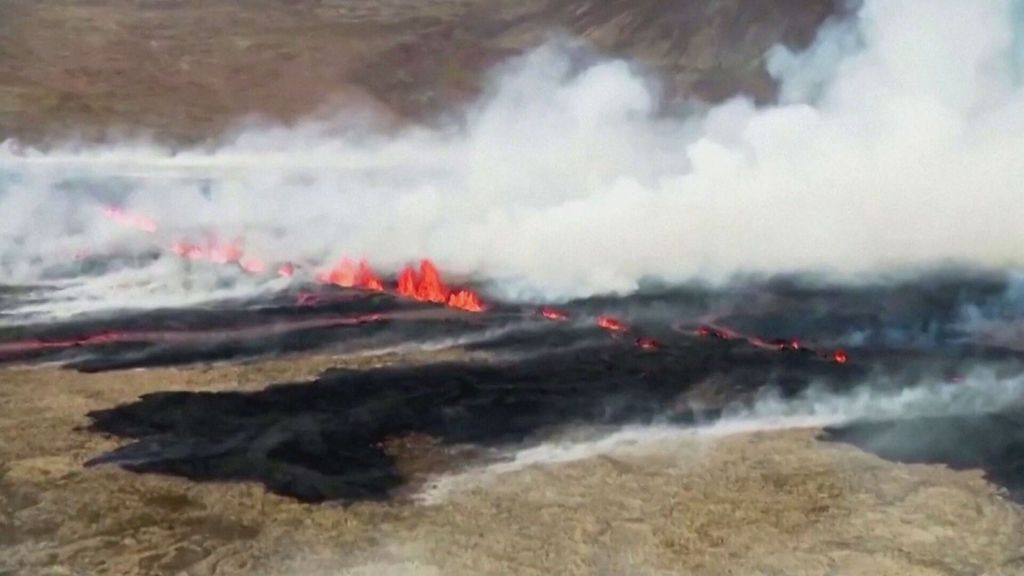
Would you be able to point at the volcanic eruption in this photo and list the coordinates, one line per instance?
(597, 258)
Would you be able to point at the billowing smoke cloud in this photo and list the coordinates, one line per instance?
(898, 142)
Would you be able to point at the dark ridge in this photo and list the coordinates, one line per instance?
(907, 323)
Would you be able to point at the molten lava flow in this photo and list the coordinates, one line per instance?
(137, 221)
(778, 345)
(723, 333)
(223, 253)
(188, 251)
(784, 345)
(611, 324)
(426, 286)
(647, 344)
(214, 251)
(286, 270)
(465, 300)
(348, 274)
(553, 314)
(710, 332)
(253, 265)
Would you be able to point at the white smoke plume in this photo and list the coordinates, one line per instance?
(898, 142)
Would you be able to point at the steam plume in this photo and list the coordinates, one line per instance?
(893, 146)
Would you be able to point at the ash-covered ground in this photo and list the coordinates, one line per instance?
(785, 425)
(882, 364)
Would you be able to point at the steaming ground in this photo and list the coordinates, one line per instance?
(985, 392)
(892, 148)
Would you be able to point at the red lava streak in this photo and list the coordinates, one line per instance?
(709, 332)
(553, 314)
(722, 333)
(611, 324)
(137, 221)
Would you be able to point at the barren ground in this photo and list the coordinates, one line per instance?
(763, 503)
(183, 70)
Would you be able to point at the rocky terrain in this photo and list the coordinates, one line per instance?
(184, 70)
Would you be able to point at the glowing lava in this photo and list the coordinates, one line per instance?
(611, 324)
(710, 332)
(137, 221)
(286, 270)
(783, 345)
(253, 265)
(188, 250)
(780, 345)
(348, 274)
(223, 253)
(465, 300)
(647, 344)
(554, 314)
(426, 285)
(214, 251)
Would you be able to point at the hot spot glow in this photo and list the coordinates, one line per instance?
(137, 221)
(253, 265)
(553, 314)
(426, 285)
(611, 324)
(223, 253)
(214, 251)
(348, 274)
(188, 251)
(647, 344)
(465, 300)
